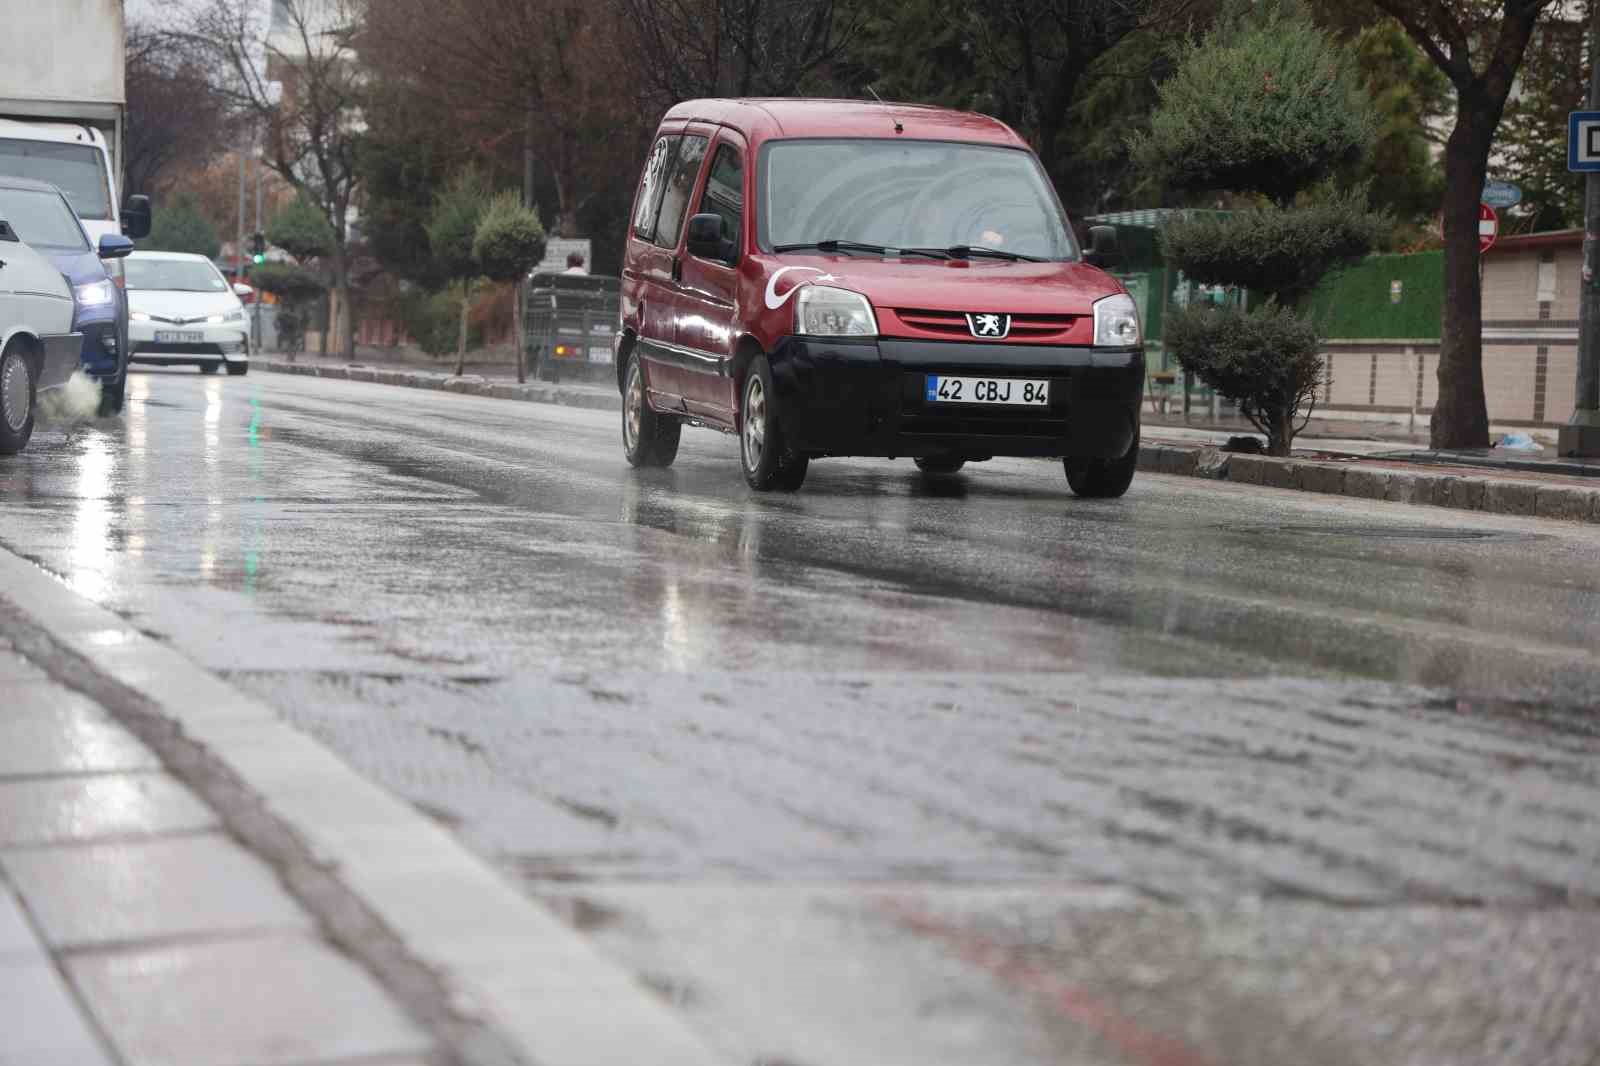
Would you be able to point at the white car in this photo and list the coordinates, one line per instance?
(38, 350)
(183, 312)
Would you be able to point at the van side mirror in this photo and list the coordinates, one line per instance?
(114, 246)
(705, 237)
(6, 232)
(1102, 247)
(136, 217)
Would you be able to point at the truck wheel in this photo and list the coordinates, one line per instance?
(763, 453)
(238, 369)
(207, 368)
(1103, 478)
(17, 400)
(648, 438)
(939, 466)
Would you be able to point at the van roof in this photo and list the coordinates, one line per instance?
(763, 119)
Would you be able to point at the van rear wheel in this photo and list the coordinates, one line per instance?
(18, 397)
(939, 466)
(648, 438)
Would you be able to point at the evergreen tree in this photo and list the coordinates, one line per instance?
(1266, 103)
(508, 244)
(180, 227)
(302, 230)
(1533, 135)
(452, 229)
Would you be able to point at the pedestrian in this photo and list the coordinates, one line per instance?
(575, 264)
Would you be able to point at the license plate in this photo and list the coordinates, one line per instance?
(179, 336)
(1015, 391)
(600, 355)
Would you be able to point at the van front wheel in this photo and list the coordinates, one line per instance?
(764, 454)
(648, 438)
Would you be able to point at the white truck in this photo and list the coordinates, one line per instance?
(62, 108)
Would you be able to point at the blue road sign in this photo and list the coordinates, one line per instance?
(1583, 140)
(1499, 194)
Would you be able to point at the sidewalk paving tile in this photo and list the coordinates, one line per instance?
(75, 737)
(16, 935)
(163, 887)
(87, 807)
(40, 1025)
(14, 667)
(257, 1001)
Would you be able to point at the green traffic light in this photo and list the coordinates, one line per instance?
(258, 259)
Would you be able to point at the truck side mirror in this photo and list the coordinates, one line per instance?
(136, 217)
(1102, 247)
(705, 236)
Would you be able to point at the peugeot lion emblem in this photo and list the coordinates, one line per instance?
(994, 327)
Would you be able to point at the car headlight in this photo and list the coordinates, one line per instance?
(138, 316)
(235, 315)
(1116, 322)
(94, 294)
(824, 311)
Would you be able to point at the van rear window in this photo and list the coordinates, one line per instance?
(910, 194)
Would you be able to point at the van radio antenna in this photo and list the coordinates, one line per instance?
(874, 93)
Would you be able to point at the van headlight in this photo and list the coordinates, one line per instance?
(824, 311)
(1116, 322)
(94, 294)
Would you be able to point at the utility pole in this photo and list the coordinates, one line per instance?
(255, 303)
(238, 248)
(1581, 435)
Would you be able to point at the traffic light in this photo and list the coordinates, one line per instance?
(258, 248)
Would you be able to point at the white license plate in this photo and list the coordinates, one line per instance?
(179, 336)
(600, 355)
(1015, 391)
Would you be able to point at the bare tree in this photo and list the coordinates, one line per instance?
(1479, 45)
(541, 70)
(312, 123)
(693, 48)
(174, 114)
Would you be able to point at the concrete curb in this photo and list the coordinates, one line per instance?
(1487, 494)
(503, 959)
(465, 385)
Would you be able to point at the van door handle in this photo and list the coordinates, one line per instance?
(677, 269)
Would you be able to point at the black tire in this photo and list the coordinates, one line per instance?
(238, 370)
(114, 395)
(764, 454)
(208, 368)
(1103, 479)
(940, 466)
(649, 438)
(19, 397)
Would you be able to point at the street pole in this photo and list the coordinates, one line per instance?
(238, 248)
(255, 303)
(1581, 435)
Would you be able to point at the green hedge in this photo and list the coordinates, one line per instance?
(1354, 303)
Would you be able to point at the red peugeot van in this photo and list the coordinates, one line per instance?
(829, 277)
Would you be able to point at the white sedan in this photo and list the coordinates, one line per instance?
(183, 312)
(38, 350)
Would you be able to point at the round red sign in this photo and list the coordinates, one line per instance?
(1488, 227)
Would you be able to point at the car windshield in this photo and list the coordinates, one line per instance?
(911, 194)
(76, 169)
(42, 219)
(174, 275)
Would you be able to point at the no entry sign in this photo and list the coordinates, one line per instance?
(1488, 227)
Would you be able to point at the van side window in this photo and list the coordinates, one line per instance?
(679, 184)
(724, 195)
(644, 212)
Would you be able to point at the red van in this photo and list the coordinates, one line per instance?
(828, 277)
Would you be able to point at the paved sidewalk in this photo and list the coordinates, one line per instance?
(133, 930)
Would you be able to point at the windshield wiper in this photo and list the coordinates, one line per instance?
(857, 246)
(978, 251)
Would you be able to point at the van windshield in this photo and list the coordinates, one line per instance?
(42, 219)
(910, 194)
(76, 169)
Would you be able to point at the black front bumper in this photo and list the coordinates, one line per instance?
(839, 397)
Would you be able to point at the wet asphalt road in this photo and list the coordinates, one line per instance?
(899, 770)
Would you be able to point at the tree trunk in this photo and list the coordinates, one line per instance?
(341, 322)
(1280, 437)
(461, 336)
(516, 330)
(1461, 414)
